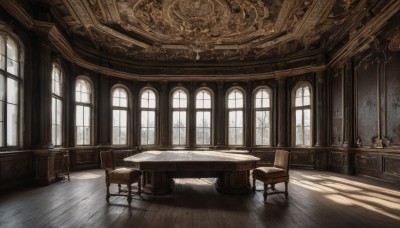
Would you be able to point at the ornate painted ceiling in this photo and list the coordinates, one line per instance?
(211, 30)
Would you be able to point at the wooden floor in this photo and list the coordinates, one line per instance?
(316, 199)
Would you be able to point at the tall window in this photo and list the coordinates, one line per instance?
(302, 115)
(179, 114)
(119, 116)
(262, 114)
(148, 104)
(83, 98)
(235, 117)
(56, 105)
(203, 117)
(9, 91)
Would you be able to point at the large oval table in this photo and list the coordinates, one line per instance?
(160, 167)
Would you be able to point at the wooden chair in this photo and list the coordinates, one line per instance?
(119, 176)
(273, 175)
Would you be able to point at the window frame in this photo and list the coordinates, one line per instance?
(173, 91)
(128, 114)
(61, 98)
(269, 109)
(227, 110)
(91, 107)
(304, 107)
(18, 77)
(156, 120)
(211, 110)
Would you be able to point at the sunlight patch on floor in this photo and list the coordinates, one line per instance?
(87, 176)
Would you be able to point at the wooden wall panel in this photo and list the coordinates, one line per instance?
(366, 103)
(302, 158)
(16, 168)
(391, 164)
(369, 164)
(267, 158)
(337, 110)
(393, 100)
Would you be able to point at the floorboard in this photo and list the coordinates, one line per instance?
(316, 199)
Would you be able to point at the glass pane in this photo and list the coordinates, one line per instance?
(143, 134)
(299, 92)
(182, 119)
(2, 62)
(123, 132)
(1, 111)
(12, 124)
(144, 121)
(116, 118)
(144, 103)
(307, 136)
(87, 136)
(207, 103)
(182, 136)
(239, 118)
(306, 91)
(152, 103)
(199, 136)
(231, 136)
(175, 103)
(53, 111)
(199, 119)
(151, 137)
(116, 101)
(12, 49)
(258, 136)
(232, 119)
(59, 111)
(306, 100)
(299, 118)
(175, 119)
(299, 136)
(259, 119)
(12, 67)
(199, 103)
(59, 134)
(124, 120)
(182, 103)
(79, 135)
(207, 119)
(2, 89)
(239, 103)
(231, 103)
(239, 136)
(115, 135)
(207, 136)
(124, 102)
(152, 118)
(2, 45)
(12, 91)
(175, 136)
(1, 134)
(265, 139)
(86, 111)
(298, 102)
(307, 118)
(79, 115)
(258, 103)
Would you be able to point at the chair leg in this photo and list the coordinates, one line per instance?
(286, 190)
(119, 188)
(254, 185)
(265, 194)
(139, 187)
(129, 193)
(273, 187)
(108, 192)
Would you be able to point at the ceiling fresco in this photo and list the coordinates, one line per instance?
(210, 30)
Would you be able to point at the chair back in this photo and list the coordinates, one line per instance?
(282, 160)
(107, 160)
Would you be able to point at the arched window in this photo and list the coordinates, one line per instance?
(301, 97)
(119, 116)
(10, 93)
(179, 117)
(262, 117)
(83, 100)
(203, 117)
(56, 105)
(148, 106)
(235, 117)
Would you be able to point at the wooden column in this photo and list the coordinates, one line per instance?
(282, 102)
(191, 129)
(44, 76)
(348, 103)
(134, 115)
(105, 112)
(164, 115)
(220, 117)
(321, 120)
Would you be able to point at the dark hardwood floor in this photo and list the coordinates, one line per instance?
(316, 199)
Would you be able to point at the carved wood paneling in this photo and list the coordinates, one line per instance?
(367, 116)
(336, 110)
(393, 101)
(266, 157)
(15, 168)
(303, 158)
(392, 165)
(369, 164)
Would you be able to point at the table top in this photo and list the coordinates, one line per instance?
(189, 156)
